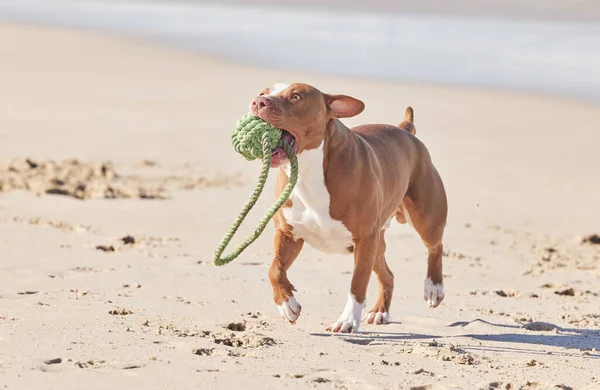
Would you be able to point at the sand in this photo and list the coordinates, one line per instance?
(103, 285)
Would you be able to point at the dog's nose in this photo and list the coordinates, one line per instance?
(260, 102)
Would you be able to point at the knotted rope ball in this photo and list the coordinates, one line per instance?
(255, 139)
(250, 136)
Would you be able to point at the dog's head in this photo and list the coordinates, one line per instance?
(302, 112)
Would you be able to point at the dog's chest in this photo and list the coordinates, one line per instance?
(309, 214)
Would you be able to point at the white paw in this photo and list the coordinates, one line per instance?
(344, 327)
(349, 321)
(290, 310)
(377, 318)
(434, 293)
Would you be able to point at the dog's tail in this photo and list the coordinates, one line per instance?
(409, 121)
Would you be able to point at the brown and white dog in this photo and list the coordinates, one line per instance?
(351, 183)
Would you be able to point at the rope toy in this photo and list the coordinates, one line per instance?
(254, 138)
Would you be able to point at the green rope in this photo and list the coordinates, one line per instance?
(254, 138)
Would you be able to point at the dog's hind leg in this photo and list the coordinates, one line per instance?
(426, 210)
(380, 313)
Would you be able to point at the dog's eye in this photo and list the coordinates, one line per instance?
(296, 96)
(262, 94)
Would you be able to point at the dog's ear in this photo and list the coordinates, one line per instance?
(343, 106)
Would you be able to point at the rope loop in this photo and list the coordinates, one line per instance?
(254, 139)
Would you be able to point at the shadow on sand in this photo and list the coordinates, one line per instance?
(585, 340)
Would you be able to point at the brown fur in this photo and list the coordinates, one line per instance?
(409, 121)
(372, 172)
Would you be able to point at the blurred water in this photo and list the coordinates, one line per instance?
(560, 58)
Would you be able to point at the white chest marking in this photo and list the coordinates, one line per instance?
(309, 215)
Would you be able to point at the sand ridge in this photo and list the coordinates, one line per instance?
(83, 180)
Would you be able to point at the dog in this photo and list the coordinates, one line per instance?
(351, 183)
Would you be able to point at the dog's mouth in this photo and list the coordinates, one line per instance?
(278, 156)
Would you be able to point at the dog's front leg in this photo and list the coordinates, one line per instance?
(286, 251)
(365, 251)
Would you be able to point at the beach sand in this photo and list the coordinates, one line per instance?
(117, 180)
